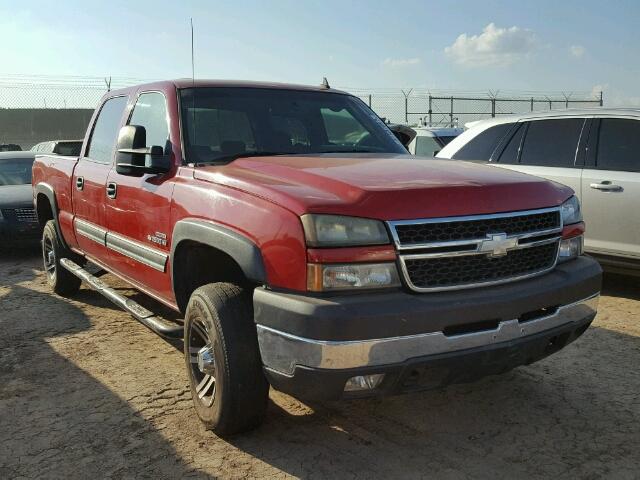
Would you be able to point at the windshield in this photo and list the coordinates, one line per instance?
(221, 124)
(15, 171)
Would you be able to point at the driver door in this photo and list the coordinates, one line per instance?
(138, 207)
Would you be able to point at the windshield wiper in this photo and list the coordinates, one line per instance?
(235, 156)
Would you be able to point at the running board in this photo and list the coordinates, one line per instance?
(148, 319)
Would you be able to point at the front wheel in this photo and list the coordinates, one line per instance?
(61, 281)
(228, 387)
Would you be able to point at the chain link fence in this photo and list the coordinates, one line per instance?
(452, 109)
(34, 109)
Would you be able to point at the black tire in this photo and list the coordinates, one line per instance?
(219, 325)
(61, 281)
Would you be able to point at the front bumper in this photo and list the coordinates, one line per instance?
(14, 233)
(467, 333)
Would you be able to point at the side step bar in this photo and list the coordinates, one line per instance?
(148, 319)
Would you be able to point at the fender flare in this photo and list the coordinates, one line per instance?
(242, 250)
(45, 189)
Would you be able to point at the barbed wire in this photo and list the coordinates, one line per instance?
(39, 96)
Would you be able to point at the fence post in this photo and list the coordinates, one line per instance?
(369, 100)
(601, 98)
(451, 114)
(406, 104)
(532, 104)
(493, 107)
(406, 109)
(430, 112)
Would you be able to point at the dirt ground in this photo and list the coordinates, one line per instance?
(87, 392)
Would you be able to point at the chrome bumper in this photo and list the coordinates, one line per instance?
(282, 352)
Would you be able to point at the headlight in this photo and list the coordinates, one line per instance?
(351, 276)
(339, 231)
(570, 211)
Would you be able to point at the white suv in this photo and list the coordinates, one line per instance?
(596, 152)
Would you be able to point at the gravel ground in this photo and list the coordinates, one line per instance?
(85, 391)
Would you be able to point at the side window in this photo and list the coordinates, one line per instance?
(427, 146)
(105, 131)
(552, 143)
(150, 112)
(481, 147)
(619, 145)
(511, 152)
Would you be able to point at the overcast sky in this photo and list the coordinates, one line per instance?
(469, 45)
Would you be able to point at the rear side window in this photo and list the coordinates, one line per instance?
(552, 143)
(427, 146)
(150, 112)
(511, 152)
(482, 145)
(619, 145)
(105, 131)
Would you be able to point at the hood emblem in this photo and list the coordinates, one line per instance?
(497, 245)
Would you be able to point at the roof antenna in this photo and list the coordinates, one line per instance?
(193, 68)
(325, 83)
(193, 89)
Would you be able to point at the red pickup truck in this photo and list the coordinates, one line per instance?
(306, 249)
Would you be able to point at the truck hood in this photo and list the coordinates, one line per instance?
(16, 196)
(385, 186)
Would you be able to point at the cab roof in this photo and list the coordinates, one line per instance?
(199, 83)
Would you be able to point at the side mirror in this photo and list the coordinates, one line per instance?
(134, 158)
(403, 133)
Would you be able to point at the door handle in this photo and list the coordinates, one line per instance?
(112, 189)
(80, 183)
(606, 186)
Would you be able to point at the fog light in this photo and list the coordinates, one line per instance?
(570, 248)
(363, 382)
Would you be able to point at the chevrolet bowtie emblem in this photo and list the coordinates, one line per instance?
(497, 244)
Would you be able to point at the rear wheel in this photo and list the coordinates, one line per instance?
(228, 387)
(59, 279)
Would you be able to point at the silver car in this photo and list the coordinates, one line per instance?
(596, 152)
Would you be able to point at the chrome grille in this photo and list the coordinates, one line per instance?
(465, 252)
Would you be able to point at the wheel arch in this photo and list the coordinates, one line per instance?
(47, 207)
(237, 257)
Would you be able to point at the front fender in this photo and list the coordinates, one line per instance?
(243, 251)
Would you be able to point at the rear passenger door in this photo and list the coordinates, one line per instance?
(611, 188)
(548, 148)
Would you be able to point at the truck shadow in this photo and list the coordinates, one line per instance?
(576, 411)
(56, 419)
(499, 427)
